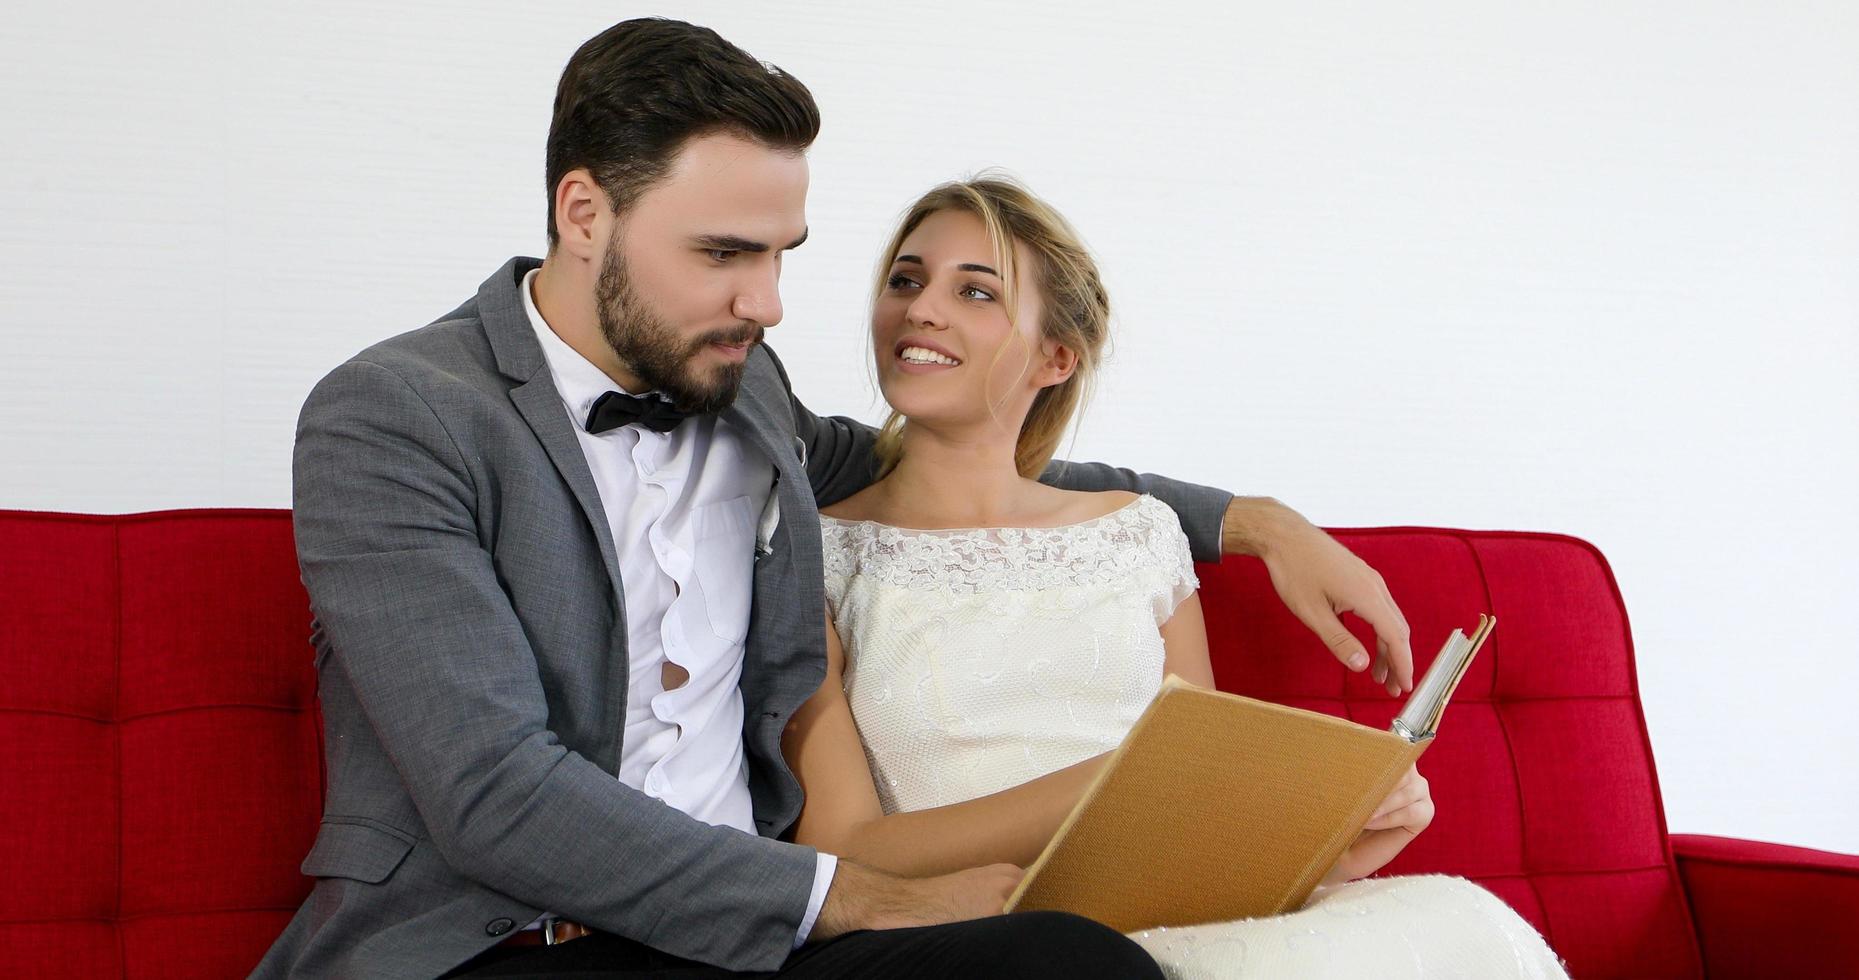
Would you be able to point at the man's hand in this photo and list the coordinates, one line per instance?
(866, 898)
(1401, 817)
(1319, 580)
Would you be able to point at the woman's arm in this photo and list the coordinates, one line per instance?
(842, 815)
(1185, 638)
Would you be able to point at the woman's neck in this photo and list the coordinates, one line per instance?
(957, 480)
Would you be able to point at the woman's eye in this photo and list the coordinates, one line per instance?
(976, 292)
(899, 282)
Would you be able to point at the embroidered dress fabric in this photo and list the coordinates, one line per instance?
(978, 659)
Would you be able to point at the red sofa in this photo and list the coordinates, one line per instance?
(160, 756)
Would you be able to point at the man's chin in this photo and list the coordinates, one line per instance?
(716, 393)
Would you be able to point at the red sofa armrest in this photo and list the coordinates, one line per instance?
(1769, 910)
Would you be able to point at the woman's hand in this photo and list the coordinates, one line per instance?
(1401, 817)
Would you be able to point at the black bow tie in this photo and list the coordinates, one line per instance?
(617, 408)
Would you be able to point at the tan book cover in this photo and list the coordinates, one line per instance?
(1220, 807)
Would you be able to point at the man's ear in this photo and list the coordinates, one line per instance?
(580, 207)
(1060, 361)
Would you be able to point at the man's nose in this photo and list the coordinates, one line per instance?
(760, 301)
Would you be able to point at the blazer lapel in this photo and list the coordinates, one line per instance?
(519, 357)
(751, 417)
(542, 409)
(789, 587)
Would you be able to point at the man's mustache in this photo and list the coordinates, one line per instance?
(748, 333)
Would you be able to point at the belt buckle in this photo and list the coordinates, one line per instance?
(568, 931)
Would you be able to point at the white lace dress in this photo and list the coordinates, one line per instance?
(978, 659)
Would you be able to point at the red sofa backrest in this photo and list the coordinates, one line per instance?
(159, 742)
(1542, 771)
(161, 767)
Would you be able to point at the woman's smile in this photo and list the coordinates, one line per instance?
(917, 355)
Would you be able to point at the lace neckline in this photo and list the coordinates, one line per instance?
(1138, 539)
(1088, 522)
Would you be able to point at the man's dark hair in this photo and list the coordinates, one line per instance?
(633, 95)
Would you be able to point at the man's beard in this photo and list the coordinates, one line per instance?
(654, 352)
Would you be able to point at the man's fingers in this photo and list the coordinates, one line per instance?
(1384, 667)
(1337, 637)
(1391, 640)
(1406, 633)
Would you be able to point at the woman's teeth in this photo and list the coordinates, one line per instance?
(923, 355)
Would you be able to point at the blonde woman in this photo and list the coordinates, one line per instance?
(991, 638)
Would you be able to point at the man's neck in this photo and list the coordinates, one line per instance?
(564, 296)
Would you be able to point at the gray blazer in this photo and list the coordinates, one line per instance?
(471, 655)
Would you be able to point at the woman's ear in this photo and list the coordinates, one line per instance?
(1058, 364)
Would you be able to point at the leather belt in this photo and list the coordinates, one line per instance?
(552, 932)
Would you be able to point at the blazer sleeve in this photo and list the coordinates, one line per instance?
(412, 615)
(840, 463)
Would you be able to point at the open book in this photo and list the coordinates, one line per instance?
(1220, 807)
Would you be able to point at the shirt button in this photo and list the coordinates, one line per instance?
(497, 927)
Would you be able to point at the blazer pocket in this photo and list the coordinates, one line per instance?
(355, 851)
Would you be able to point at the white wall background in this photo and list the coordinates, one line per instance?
(1608, 252)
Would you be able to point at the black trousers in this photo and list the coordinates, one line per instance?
(1010, 947)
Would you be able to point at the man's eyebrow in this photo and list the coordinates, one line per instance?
(730, 243)
(736, 243)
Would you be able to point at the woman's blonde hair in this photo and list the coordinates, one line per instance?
(1076, 309)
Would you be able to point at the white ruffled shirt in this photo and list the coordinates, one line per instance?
(684, 507)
